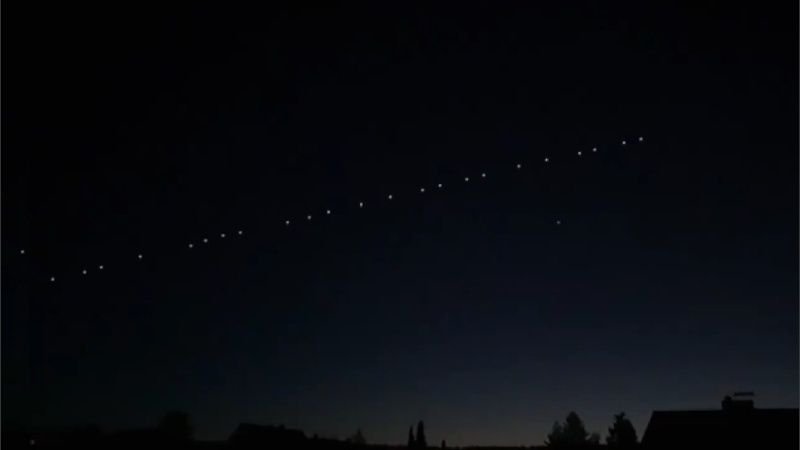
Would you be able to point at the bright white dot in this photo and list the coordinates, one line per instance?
(519, 166)
(594, 149)
(422, 190)
(222, 235)
(100, 267)
(483, 175)
(22, 252)
(580, 153)
(328, 212)
(139, 256)
(191, 245)
(439, 185)
(641, 138)
(360, 204)
(547, 160)
(240, 232)
(308, 217)
(84, 271)
(388, 196)
(624, 142)
(466, 179)
(205, 240)
(288, 222)
(558, 222)
(52, 279)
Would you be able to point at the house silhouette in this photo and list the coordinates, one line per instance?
(738, 424)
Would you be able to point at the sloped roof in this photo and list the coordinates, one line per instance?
(754, 428)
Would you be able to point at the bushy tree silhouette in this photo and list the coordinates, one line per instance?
(571, 433)
(411, 442)
(555, 438)
(621, 433)
(175, 425)
(421, 441)
(357, 438)
(574, 431)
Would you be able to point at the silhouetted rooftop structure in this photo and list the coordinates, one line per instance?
(739, 424)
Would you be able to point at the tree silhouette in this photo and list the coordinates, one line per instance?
(574, 431)
(357, 438)
(556, 436)
(175, 425)
(621, 433)
(571, 433)
(421, 442)
(411, 442)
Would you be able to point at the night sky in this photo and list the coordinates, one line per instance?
(661, 274)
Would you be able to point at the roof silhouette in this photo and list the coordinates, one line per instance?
(737, 424)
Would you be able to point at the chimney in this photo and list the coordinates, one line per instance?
(738, 402)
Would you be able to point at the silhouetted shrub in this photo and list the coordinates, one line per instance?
(621, 433)
(357, 438)
(571, 433)
(175, 425)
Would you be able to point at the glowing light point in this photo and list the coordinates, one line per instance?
(558, 222)
(466, 179)
(205, 240)
(483, 175)
(547, 160)
(360, 204)
(641, 138)
(519, 166)
(388, 196)
(191, 245)
(240, 232)
(580, 153)
(328, 212)
(594, 149)
(222, 235)
(52, 279)
(84, 271)
(422, 190)
(439, 185)
(308, 217)
(139, 256)
(288, 222)
(100, 267)
(22, 252)
(624, 142)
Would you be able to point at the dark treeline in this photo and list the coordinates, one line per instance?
(175, 430)
(738, 424)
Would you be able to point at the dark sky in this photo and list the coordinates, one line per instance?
(672, 279)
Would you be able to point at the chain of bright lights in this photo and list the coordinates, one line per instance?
(361, 205)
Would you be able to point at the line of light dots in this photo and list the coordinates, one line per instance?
(328, 212)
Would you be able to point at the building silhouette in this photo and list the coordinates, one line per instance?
(738, 424)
